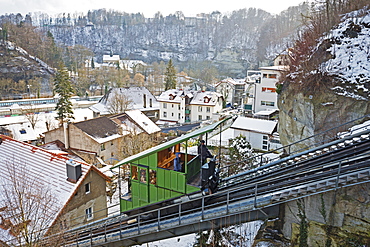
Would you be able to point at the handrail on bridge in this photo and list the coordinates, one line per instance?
(286, 151)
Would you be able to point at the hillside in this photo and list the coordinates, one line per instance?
(336, 89)
(19, 69)
(242, 40)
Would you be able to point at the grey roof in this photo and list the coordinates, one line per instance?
(98, 127)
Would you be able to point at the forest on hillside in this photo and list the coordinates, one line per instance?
(228, 43)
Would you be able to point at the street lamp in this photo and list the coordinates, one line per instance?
(29, 89)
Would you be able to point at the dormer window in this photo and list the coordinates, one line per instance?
(171, 97)
(206, 99)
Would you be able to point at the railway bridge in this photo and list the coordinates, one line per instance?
(253, 194)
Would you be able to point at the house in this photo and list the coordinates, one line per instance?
(104, 135)
(233, 91)
(259, 132)
(111, 59)
(265, 89)
(70, 192)
(181, 106)
(118, 100)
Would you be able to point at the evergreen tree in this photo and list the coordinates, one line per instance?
(170, 76)
(63, 86)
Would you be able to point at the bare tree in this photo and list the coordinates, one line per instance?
(30, 115)
(118, 103)
(27, 207)
(137, 141)
(50, 122)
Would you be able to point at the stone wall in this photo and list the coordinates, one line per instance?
(346, 221)
(305, 114)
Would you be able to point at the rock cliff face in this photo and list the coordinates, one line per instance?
(303, 115)
(337, 90)
(341, 217)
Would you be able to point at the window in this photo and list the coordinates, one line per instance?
(199, 108)
(200, 117)
(111, 143)
(143, 175)
(208, 109)
(208, 118)
(89, 214)
(152, 177)
(206, 99)
(265, 137)
(87, 188)
(273, 76)
(150, 103)
(179, 107)
(164, 105)
(179, 115)
(264, 147)
(102, 147)
(164, 114)
(23, 131)
(269, 89)
(172, 114)
(268, 103)
(172, 105)
(134, 172)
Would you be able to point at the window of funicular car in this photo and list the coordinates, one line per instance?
(142, 175)
(152, 177)
(134, 173)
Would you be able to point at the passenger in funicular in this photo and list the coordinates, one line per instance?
(203, 152)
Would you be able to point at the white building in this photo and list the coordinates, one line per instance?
(233, 90)
(262, 86)
(179, 106)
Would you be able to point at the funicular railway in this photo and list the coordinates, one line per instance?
(246, 196)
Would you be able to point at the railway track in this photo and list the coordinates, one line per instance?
(339, 163)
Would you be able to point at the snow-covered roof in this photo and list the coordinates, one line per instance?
(109, 58)
(274, 68)
(134, 94)
(200, 98)
(266, 112)
(254, 124)
(143, 121)
(232, 81)
(171, 95)
(48, 168)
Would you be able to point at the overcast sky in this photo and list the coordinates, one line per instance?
(146, 7)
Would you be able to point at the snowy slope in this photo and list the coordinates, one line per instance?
(350, 50)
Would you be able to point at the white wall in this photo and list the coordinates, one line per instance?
(265, 95)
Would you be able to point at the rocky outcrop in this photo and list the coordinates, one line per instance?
(303, 115)
(340, 217)
(336, 90)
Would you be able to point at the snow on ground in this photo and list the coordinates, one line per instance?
(248, 231)
(351, 53)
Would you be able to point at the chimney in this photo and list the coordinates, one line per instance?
(73, 171)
